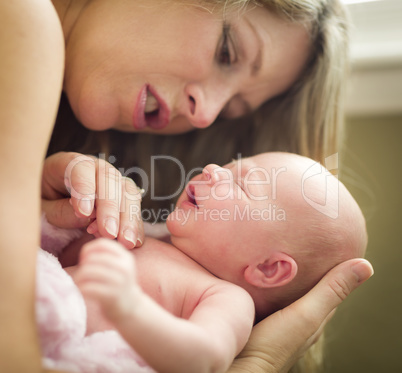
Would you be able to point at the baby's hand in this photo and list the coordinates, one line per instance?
(100, 197)
(107, 274)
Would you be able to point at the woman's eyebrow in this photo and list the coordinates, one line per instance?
(257, 63)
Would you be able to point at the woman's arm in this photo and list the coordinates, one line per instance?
(277, 342)
(31, 69)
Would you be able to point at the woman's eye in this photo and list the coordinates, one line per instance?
(225, 53)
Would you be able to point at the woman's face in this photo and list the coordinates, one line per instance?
(161, 67)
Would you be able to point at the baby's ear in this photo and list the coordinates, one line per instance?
(278, 270)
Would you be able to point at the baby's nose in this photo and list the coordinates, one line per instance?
(215, 173)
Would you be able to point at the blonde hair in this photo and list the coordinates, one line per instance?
(312, 111)
(307, 119)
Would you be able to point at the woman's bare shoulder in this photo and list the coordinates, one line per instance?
(31, 73)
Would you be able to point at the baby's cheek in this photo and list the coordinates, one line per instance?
(256, 193)
(222, 191)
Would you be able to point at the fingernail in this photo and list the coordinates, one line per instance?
(139, 243)
(85, 206)
(67, 184)
(111, 227)
(129, 236)
(362, 270)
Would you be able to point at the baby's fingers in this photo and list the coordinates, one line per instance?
(97, 281)
(106, 253)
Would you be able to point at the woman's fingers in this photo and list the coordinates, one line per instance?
(101, 199)
(117, 210)
(80, 181)
(53, 175)
(108, 199)
(278, 341)
(305, 317)
(64, 175)
(331, 291)
(131, 230)
(60, 213)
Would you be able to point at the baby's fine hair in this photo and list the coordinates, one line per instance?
(308, 118)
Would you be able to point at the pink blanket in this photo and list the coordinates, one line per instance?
(61, 319)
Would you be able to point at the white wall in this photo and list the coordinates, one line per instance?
(376, 50)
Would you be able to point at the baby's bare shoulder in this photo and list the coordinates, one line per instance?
(172, 278)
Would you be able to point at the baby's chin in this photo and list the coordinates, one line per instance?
(171, 223)
(178, 223)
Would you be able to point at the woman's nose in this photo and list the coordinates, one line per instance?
(203, 104)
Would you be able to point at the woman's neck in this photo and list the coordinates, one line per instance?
(68, 12)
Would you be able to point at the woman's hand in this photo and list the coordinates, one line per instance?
(82, 191)
(277, 342)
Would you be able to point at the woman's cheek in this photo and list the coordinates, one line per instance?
(97, 111)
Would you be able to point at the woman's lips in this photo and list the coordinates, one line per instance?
(154, 113)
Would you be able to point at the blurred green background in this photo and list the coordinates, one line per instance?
(366, 333)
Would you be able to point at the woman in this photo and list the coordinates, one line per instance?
(33, 47)
(298, 90)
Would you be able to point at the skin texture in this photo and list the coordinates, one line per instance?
(107, 68)
(102, 200)
(189, 305)
(349, 274)
(183, 304)
(270, 350)
(31, 73)
(31, 67)
(183, 53)
(249, 222)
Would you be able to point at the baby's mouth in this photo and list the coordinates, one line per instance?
(191, 195)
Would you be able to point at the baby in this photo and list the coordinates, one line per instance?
(247, 239)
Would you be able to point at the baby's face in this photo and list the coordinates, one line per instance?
(224, 212)
(232, 215)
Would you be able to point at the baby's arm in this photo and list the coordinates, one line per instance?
(216, 331)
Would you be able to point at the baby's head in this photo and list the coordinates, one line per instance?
(324, 224)
(273, 224)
